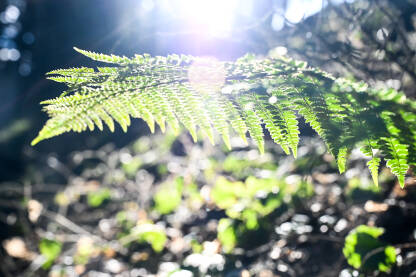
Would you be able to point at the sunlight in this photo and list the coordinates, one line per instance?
(215, 17)
(206, 75)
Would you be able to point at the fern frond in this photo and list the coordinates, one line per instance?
(280, 119)
(103, 58)
(200, 114)
(235, 118)
(373, 165)
(342, 159)
(396, 157)
(253, 121)
(271, 124)
(182, 110)
(241, 96)
(68, 80)
(219, 115)
(75, 71)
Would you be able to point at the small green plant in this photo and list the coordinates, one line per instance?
(255, 198)
(96, 198)
(249, 200)
(227, 234)
(240, 95)
(169, 196)
(156, 238)
(151, 234)
(50, 250)
(246, 203)
(143, 232)
(365, 251)
(132, 166)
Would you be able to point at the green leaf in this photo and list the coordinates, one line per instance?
(397, 158)
(102, 57)
(50, 250)
(373, 166)
(96, 198)
(253, 122)
(363, 243)
(293, 131)
(342, 159)
(273, 123)
(168, 197)
(156, 238)
(227, 234)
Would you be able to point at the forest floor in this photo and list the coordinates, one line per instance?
(165, 206)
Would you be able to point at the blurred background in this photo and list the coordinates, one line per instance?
(370, 40)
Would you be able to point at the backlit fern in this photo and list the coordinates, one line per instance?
(211, 96)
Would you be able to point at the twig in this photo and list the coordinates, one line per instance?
(71, 226)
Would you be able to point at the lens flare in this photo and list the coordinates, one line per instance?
(206, 75)
(215, 17)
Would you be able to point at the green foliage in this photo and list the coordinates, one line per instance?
(50, 250)
(196, 246)
(132, 166)
(247, 203)
(241, 167)
(240, 201)
(342, 159)
(363, 250)
(146, 232)
(373, 166)
(227, 234)
(156, 238)
(240, 96)
(169, 196)
(397, 158)
(255, 198)
(96, 198)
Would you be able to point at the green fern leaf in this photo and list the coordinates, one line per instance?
(236, 121)
(397, 158)
(101, 113)
(274, 129)
(373, 165)
(343, 113)
(103, 58)
(76, 71)
(293, 131)
(253, 122)
(342, 159)
(200, 114)
(183, 111)
(219, 116)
